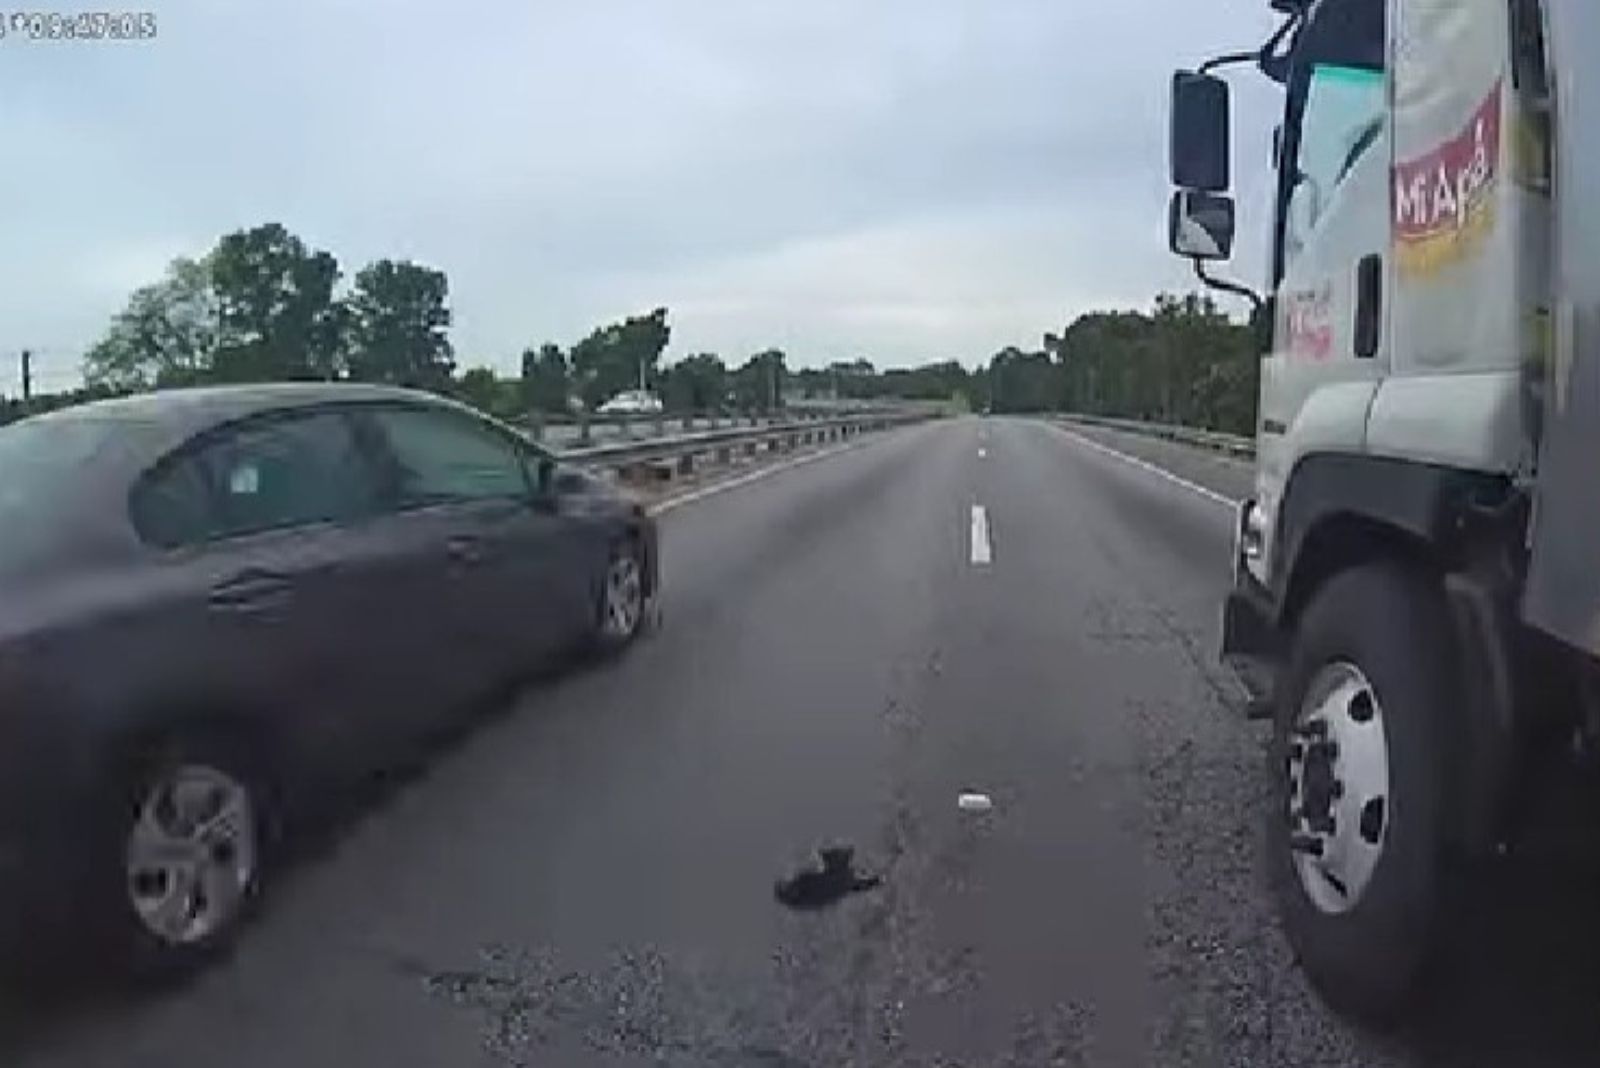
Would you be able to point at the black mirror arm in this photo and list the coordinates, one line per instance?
(1256, 303)
(1272, 65)
(1231, 59)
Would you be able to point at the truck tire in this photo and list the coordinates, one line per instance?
(1354, 837)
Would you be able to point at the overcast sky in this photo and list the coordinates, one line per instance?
(900, 179)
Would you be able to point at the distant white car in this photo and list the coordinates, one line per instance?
(631, 402)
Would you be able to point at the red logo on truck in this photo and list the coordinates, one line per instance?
(1443, 200)
(1308, 322)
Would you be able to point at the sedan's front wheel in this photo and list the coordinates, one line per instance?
(621, 611)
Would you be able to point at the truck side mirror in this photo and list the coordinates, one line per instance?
(1201, 136)
(1200, 225)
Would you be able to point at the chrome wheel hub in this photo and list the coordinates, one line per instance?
(622, 605)
(191, 855)
(1338, 768)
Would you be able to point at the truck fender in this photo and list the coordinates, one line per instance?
(1341, 509)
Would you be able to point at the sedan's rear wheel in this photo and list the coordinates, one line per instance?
(181, 855)
(191, 856)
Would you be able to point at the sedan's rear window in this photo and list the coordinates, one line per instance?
(40, 461)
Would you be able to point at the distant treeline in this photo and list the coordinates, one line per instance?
(1184, 362)
(264, 306)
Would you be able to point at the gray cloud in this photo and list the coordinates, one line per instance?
(899, 179)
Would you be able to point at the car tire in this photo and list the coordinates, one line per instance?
(623, 605)
(180, 851)
(1356, 849)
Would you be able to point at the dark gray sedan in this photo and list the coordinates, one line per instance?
(215, 604)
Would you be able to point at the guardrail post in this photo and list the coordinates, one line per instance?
(536, 426)
(661, 424)
(583, 428)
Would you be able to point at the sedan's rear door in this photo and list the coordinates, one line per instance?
(282, 586)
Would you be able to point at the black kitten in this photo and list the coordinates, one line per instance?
(817, 888)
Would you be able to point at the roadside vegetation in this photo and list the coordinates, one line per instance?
(263, 305)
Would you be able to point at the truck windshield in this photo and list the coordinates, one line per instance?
(1343, 118)
(1335, 110)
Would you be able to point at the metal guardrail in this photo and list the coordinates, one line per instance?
(662, 458)
(563, 430)
(1231, 444)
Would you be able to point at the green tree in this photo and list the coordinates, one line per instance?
(546, 379)
(1185, 362)
(396, 323)
(813, 382)
(929, 382)
(620, 356)
(696, 384)
(1023, 381)
(166, 335)
(854, 379)
(276, 314)
(480, 388)
(758, 384)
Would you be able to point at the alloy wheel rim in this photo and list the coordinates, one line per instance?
(191, 854)
(624, 597)
(1339, 794)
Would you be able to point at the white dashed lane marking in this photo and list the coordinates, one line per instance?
(982, 551)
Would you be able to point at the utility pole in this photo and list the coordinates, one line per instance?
(27, 374)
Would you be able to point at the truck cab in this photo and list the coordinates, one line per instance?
(1414, 592)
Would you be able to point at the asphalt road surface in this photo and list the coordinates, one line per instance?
(974, 605)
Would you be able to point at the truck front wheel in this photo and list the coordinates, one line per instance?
(1354, 832)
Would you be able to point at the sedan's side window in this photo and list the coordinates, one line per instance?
(174, 507)
(289, 472)
(267, 474)
(440, 457)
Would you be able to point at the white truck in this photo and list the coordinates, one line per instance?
(1418, 573)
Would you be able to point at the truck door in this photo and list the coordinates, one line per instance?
(1330, 337)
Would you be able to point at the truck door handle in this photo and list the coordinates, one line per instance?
(1369, 306)
(251, 591)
